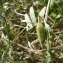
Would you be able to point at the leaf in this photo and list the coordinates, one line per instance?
(47, 60)
(53, 14)
(42, 12)
(29, 44)
(57, 1)
(47, 26)
(1, 9)
(58, 18)
(32, 15)
(48, 57)
(61, 11)
(36, 14)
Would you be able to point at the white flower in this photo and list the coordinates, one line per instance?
(28, 21)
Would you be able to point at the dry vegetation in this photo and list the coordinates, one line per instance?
(19, 45)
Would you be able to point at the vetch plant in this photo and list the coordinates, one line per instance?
(42, 28)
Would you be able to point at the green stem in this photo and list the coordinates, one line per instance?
(8, 36)
(6, 28)
(48, 45)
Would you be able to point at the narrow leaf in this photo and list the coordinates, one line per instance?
(32, 15)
